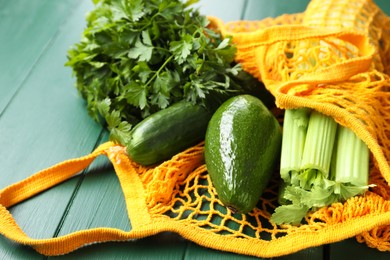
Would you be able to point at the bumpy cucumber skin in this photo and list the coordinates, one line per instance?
(242, 148)
(168, 132)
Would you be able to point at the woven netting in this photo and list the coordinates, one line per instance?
(295, 71)
(333, 58)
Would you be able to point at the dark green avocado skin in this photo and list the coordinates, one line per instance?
(242, 148)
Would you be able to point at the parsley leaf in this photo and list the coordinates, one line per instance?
(137, 94)
(182, 48)
(136, 57)
(142, 51)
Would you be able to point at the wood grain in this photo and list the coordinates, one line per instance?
(44, 121)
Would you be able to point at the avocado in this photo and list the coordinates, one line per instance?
(242, 148)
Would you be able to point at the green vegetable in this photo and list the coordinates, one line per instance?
(137, 57)
(167, 132)
(242, 147)
(321, 163)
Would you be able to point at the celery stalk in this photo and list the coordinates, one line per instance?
(350, 166)
(294, 134)
(320, 138)
(321, 163)
(352, 160)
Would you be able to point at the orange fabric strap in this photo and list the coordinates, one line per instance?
(146, 224)
(142, 224)
(56, 174)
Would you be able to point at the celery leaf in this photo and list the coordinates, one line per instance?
(289, 214)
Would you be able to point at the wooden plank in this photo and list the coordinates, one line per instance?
(99, 202)
(223, 9)
(276, 8)
(47, 114)
(351, 249)
(11, 250)
(384, 5)
(2, 4)
(260, 9)
(54, 134)
(26, 29)
(45, 123)
(101, 199)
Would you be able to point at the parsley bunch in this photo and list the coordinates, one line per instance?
(137, 57)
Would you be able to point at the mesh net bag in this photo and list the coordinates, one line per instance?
(333, 58)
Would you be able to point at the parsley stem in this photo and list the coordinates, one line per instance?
(159, 70)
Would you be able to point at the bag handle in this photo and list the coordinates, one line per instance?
(256, 43)
(339, 72)
(58, 173)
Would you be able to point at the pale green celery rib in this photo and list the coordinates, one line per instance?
(294, 134)
(351, 159)
(320, 138)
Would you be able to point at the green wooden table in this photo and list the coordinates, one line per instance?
(44, 121)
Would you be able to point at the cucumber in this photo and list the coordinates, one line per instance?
(242, 147)
(168, 132)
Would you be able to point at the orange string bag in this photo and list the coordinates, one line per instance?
(349, 41)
